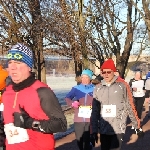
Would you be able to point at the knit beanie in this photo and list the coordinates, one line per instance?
(109, 64)
(87, 72)
(3, 76)
(21, 53)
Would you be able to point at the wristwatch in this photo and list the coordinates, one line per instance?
(36, 124)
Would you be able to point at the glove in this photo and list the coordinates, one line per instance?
(18, 120)
(75, 104)
(139, 132)
(26, 119)
(30, 123)
(93, 139)
(23, 119)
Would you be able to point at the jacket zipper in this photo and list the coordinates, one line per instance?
(15, 100)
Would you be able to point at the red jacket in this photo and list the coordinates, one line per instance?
(28, 99)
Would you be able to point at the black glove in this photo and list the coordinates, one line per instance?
(93, 139)
(28, 121)
(139, 132)
(18, 120)
(23, 119)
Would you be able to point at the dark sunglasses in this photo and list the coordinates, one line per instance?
(108, 72)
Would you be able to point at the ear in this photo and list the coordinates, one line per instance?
(29, 69)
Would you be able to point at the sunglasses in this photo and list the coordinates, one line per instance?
(108, 72)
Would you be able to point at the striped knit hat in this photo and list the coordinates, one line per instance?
(21, 53)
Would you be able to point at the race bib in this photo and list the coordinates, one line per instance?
(109, 111)
(139, 90)
(16, 134)
(85, 111)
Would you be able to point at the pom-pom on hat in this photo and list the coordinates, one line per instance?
(21, 53)
(109, 64)
(87, 72)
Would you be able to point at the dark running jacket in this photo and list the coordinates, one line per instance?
(119, 94)
(40, 103)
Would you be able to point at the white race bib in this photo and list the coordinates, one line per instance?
(140, 90)
(109, 111)
(85, 111)
(16, 134)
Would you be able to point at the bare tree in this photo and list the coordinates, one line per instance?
(76, 29)
(21, 21)
(144, 12)
(115, 29)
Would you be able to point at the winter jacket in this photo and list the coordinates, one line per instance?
(40, 103)
(118, 95)
(83, 94)
(148, 75)
(3, 76)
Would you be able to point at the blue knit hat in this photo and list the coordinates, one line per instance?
(87, 72)
(21, 53)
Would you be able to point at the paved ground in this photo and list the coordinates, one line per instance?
(131, 141)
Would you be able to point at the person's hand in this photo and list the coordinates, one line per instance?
(147, 100)
(139, 132)
(26, 118)
(134, 89)
(94, 138)
(18, 120)
(75, 104)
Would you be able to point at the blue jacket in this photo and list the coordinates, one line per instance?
(79, 91)
(83, 94)
(148, 75)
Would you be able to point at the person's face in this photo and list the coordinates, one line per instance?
(116, 74)
(138, 75)
(85, 79)
(108, 75)
(18, 71)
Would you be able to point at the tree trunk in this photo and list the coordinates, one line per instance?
(37, 36)
(122, 61)
(147, 15)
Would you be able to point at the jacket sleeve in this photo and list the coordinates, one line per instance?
(130, 83)
(130, 106)
(50, 105)
(95, 115)
(70, 96)
(144, 84)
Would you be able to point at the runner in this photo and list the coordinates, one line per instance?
(112, 101)
(80, 98)
(32, 112)
(138, 87)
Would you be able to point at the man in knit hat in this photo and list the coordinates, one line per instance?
(32, 112)
(112, 101)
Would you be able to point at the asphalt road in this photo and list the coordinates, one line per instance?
(130, 141)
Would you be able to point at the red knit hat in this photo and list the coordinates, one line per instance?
(109, 64)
